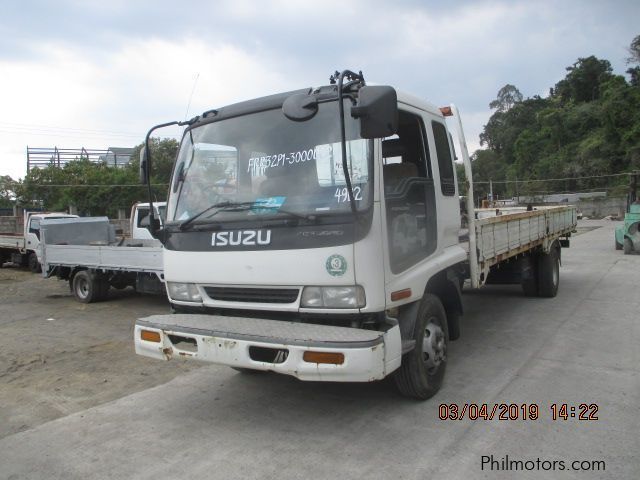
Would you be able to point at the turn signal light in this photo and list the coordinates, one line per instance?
(323, 357)
(150, 336)
(400, 294)
(446, 111)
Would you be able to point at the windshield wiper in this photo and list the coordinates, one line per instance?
(222, 206)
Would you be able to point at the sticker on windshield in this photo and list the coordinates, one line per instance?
(267, 205)
(336, 265)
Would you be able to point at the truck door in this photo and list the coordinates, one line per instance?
(446, 191)
(409, 192)
(32, 237)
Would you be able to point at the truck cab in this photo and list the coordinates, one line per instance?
(20, 248)
(315, 233)
(139, 227)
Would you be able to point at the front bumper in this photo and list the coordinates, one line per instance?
(243, 342)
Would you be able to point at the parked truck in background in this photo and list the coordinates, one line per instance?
(86, 253)
(315, 233)
(140, 218)
(20, 248)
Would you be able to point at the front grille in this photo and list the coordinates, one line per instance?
(253, 295)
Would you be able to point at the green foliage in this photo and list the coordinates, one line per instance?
(96, 188)
(508, 96)
(7, 191)
(588, 126)
(583, 82)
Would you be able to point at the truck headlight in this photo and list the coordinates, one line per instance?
(333, 297)
(185, 292)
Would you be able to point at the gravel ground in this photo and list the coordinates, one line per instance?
(60, 356)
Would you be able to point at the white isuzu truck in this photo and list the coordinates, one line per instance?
(21, 248)
(315, 233)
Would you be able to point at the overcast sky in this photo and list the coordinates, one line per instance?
(96, 74)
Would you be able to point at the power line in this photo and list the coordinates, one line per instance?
(552, 179)
(76, 185)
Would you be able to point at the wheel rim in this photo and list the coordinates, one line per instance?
(434, 346)
(82, 287)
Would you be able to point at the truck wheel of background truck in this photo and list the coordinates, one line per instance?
(87, 287)
(549, 272)
(422, 370)
(34, 265)
(530, 277)
(618, 245)
(628, 246)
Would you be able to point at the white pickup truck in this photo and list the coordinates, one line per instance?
(86, 253)
(20, 248)
(315, 233)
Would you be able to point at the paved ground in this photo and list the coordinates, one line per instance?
(211, 422)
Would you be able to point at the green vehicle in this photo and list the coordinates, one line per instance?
(628, 234)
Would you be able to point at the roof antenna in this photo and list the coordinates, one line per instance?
(186, 113)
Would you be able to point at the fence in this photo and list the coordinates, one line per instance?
(38, 157)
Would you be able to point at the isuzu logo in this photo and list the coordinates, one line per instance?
(241, 237)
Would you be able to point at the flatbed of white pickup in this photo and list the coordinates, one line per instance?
(127, 258)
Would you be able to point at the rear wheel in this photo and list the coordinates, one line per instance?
(88, 287)
(627, 246)
(618, 245)
(530, 277)
(549, 273)
(422, 370)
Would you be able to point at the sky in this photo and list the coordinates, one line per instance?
(99, 74)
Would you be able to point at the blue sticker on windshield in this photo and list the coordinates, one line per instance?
(267, 205)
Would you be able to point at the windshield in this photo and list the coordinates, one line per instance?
(263, 164)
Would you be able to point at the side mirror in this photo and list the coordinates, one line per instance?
(377, 109)
(144, 170)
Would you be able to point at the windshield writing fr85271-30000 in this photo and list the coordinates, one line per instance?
(281, 159)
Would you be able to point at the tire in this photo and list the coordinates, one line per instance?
(549, 273)
(530, 279)
(86, 287)
(618, 245)
(627, 246)
(34, 265)
(422, 370)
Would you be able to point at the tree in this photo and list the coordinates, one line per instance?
(582, 83)
(508, 96)
(97, 188)
(7, 191)
(634, 51)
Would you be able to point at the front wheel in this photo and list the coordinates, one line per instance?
(422, 370)
(34, 265)
(627, 246)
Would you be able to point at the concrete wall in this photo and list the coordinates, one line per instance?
(122, 227)
(602, 207)
(11, 224)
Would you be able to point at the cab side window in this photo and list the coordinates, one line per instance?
(34, 227)
(445, 162)
(409, 194)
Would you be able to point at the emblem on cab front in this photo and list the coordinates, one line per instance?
(241, 237)
(336, 265)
